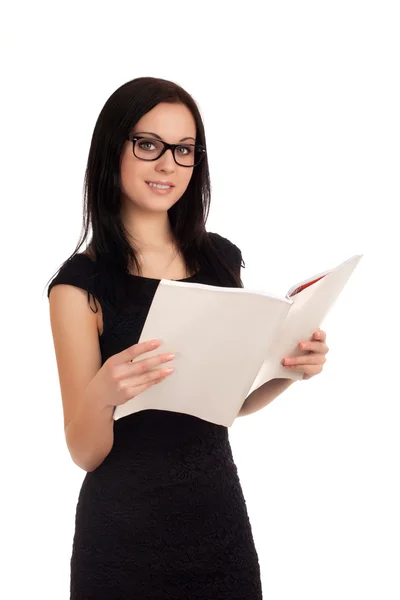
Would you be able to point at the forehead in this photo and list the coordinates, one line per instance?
(172, 122)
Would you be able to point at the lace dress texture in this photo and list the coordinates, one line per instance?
(164, 515)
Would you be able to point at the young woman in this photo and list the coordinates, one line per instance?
(161, 513)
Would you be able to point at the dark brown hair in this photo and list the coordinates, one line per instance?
(101, 211)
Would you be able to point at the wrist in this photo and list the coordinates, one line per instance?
(93, 405)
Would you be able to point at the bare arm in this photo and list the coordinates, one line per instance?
(88, 423)
(264, 395)
(90, 434)
(90, 390)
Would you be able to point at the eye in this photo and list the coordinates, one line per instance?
(142, 144)
(188, 150)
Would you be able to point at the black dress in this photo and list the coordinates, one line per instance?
(163, 516)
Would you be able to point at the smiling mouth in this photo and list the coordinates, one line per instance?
(161, 191)
(163, 185)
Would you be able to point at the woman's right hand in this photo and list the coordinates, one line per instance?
(118, 380)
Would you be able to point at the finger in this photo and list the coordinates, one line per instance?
(146, 364)
(150, 377)
(319, 335)
(307, 359)
(139, 389)
(308, 369)
(318, 347)
(132, 352)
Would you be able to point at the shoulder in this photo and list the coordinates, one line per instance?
(79, 270)
(230, 250)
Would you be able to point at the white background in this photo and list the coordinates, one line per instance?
(300, 102)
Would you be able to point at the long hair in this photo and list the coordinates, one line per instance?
(102, 189)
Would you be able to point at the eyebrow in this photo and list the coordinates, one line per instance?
(158, 137)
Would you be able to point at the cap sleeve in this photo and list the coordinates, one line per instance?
(232, 253)
(78, 271)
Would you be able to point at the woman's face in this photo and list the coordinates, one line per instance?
(173, 123)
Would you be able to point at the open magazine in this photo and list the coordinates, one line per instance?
(229, 341)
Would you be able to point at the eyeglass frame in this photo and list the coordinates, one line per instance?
(133, 138)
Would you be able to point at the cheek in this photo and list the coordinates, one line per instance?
(186, 179)
(132, 174)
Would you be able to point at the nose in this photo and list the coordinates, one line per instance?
(167, 161)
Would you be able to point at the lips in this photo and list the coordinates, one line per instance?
(161, 183)
(160, 191)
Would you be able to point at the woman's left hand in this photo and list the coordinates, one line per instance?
(313, 362)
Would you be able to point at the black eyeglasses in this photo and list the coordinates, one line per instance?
(148, 148)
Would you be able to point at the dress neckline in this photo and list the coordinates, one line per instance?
(141, 277)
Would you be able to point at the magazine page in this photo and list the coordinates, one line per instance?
(310, 306)
(299, 287)
(219, 345)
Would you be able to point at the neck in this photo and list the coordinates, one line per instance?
(149, 231)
